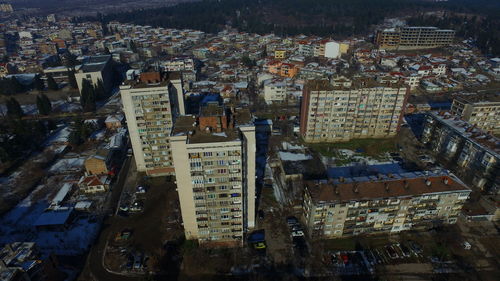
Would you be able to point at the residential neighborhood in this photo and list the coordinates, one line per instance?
(141, 152)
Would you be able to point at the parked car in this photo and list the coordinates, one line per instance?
(292, 221)
(259, 245)
(391, 252)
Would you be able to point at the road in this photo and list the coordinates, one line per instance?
(94, 269)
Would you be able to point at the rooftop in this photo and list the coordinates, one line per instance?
(152, 79)
(188, 125)
(475, 135)
(95, 63)
(370, 188)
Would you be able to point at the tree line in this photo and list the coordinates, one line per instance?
(340, 18)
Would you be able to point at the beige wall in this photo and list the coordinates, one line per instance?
(184, 185)
(249, 158)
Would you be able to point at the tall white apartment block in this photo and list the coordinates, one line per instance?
(215, 174)
(151, 105)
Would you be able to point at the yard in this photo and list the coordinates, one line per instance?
(344, 153)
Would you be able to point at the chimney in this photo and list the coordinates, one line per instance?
(355, 187)
(406, 184)
(445, 180)
(386, 185)
(428, 182)
(336, 189)
(341, 179)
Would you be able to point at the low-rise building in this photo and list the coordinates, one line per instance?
(95, 69)
(274, 91)
(94, 183)
(382, 204)
(22, 261)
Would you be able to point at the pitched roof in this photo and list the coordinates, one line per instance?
(375, 189)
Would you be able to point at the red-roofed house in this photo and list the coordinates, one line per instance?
(94, 183)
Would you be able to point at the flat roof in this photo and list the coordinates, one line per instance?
(54, 217)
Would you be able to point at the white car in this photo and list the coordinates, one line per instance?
(298, 233)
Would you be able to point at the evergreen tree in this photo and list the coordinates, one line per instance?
(88, 96)
(51, 83)
(70, 60)
(72, 79)
(248, 62)
(18, 87)
(43, 104)
(38, 83)
(80, 131)
(100, 92)
(133, 47)
(14, 108)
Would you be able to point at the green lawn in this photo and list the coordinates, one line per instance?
(369, 147)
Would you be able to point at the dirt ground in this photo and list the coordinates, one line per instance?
(150, 230)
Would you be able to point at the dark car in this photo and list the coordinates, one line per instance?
(292, 221)
(261, 214)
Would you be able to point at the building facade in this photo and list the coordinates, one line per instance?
(473, 154)
(274, 91)
(382, 204)
(413, 38)
(483, 114)
(95, 69)
(150, 106)
(345, 109)
(215, 174)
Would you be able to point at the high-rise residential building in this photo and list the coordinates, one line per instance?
(347, 109)
(413, 38)
(151, 104)
(472, 154)
(483, 113)
(382, 204)
(214, 160)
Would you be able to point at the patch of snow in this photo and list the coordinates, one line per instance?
(289, 146)
(67, 165)
(223, 134)
(289, 156)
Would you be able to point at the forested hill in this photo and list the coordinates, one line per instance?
(290, 17)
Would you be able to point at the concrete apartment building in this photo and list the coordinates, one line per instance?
(347, 109)
(474, 154)
(96, 68)
(413, 38)
(482, 113)
(151, 105)
(274, 91)
(215, 173)
(391, 203)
